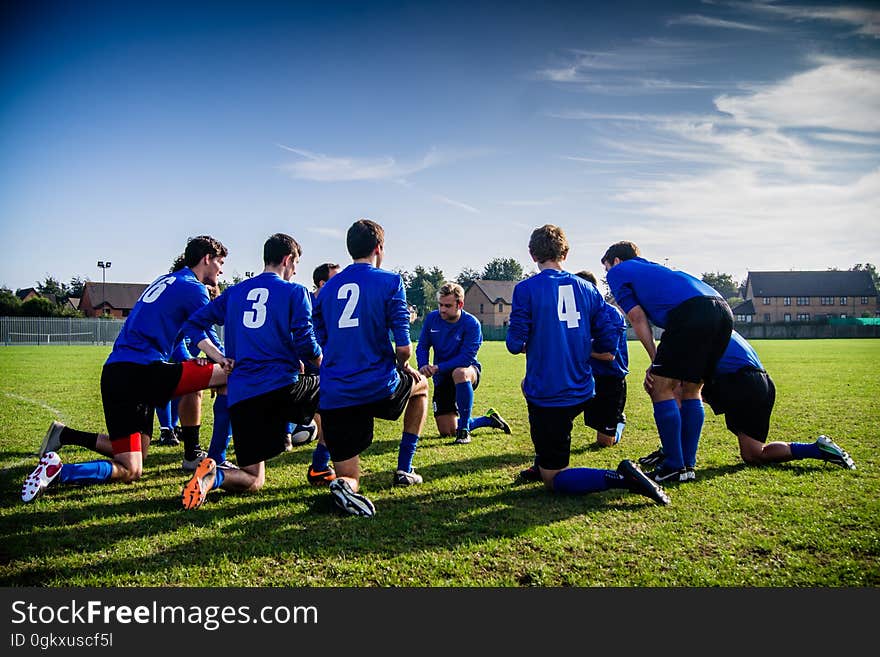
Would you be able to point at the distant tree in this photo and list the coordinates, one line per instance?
(503, 269)
(51, 287)
(871, 269)
(76, 286)
(10, 305)
(39, 307)
(421, 288)
(723, 283)
(467, 277)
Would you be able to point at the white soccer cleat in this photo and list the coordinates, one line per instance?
(44, 474)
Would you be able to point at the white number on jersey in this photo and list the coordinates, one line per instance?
(156, 289)
(567, 308)
(352, 292)
(256, 317)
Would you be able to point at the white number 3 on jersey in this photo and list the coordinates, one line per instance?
(256, 317)
(567, 308)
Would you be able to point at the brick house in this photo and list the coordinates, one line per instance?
(113, 299)
(793, 296)
(489, 301)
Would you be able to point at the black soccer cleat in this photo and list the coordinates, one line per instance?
(638, 482)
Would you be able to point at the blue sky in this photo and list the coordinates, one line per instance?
(719, 136)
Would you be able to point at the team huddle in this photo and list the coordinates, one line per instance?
(326, 364)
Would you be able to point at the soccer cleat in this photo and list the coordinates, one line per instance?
(52, 439)
(321, 477)
(43, 475)
(497, 421)
(410, 478)
(638, 482)
(190, 465)
(196, 489)
(349, 501)
(834, 453)
(690, 473)
(653, 459)
(663, 476)
(226, 464)
(167, 437)
(531, 473)
(462, 437)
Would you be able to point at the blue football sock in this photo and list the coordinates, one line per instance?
(91, 472)
(464, 400)
(668, 421)
(406, 451)
(320, 457)
(480, 422)
(175, 416)
(692, 417)
(805, 451)
(578, 481)
(219, 476)
(220, 431)
(163, 415)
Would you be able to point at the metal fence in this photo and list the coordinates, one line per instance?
(58, 330)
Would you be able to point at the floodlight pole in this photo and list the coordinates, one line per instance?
(104, 267)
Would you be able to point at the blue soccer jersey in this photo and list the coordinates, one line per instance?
(739, 354)
(455, 344)
(357, 312)
(556, 316)
(150, 332)
(268, 324)
(657, 289)
(618, 367)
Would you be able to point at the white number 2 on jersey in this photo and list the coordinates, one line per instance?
(256, 317)
(567, 308)
(352, 292)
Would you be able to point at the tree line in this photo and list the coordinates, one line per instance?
(421, 286)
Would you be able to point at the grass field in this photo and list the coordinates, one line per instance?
(799, 524)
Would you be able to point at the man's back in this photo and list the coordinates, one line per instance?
(150, 331)
(268, 331)
(354, 313)
(618, 367)
(556, 315)
(739, 354)
(657, 289)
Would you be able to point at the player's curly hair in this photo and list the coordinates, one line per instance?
(548, 243)
(200, 246)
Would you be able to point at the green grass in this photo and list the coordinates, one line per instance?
(802, 523)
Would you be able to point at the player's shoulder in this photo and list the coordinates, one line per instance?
(467, 317)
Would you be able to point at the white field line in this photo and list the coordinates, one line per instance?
(54, 411)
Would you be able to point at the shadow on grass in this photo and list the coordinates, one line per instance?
(279, 521)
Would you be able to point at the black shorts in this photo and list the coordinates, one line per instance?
(696, 335)
(605, 411)
(444, 393)
(745, 398)
(259, 424)
(348, 431)
(550, 429)
(130, 393)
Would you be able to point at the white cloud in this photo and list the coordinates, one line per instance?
(324, 168)
(839, 94)
(336, 233)
(456, 204)
(865, 21)
(765, 224)
(706, 21)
